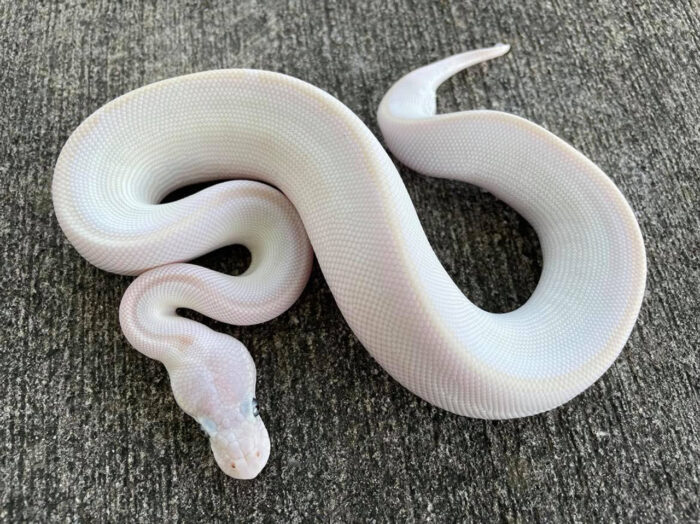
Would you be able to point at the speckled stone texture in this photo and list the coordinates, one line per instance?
(88, 427)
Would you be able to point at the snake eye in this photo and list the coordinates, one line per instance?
(256, 412)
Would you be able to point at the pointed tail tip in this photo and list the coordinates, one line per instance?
(483, 54)
(501, 48)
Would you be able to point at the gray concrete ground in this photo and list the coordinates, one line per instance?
(88, 427)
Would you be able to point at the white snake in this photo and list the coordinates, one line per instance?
(342, 190)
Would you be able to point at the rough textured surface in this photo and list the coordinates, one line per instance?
(88, 426)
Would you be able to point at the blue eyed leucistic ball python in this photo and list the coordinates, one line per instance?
(338, 191)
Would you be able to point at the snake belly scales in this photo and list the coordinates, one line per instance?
(301, 170)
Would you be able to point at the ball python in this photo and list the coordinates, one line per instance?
(300, 170)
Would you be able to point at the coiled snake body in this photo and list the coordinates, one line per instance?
(339, 187)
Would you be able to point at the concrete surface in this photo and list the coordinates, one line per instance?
(88, 427)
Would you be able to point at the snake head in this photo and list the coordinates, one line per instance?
(214, 382)
(242, 450)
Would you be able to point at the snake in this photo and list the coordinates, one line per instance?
(299, 174)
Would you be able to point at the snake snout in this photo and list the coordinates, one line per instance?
(242, 453)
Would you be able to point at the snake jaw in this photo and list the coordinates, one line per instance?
(242, 452)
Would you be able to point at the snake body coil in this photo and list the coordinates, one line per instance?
(341, 189)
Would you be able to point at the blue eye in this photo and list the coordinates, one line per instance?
(255, 408)
(208, 425)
